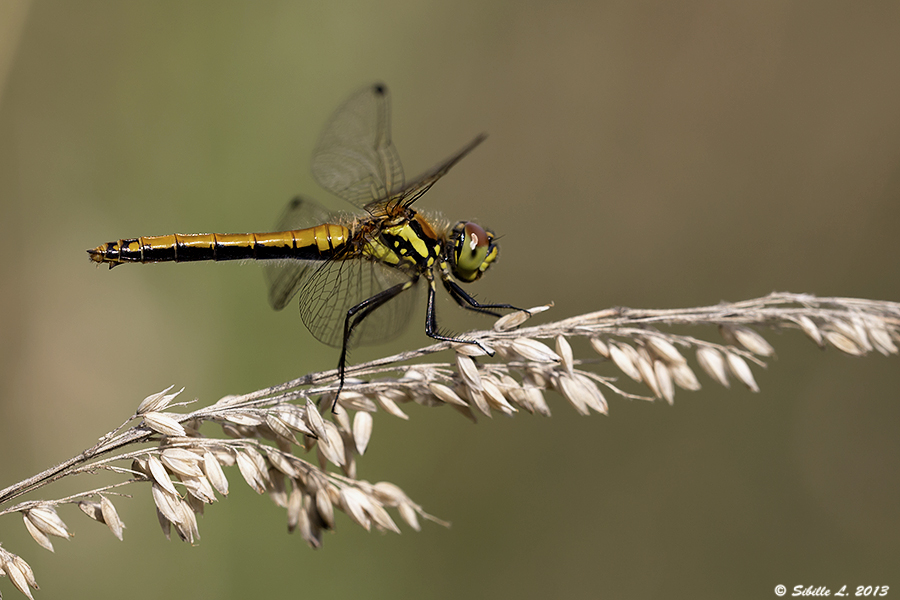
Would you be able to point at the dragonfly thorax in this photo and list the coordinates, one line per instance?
(412, 242)
(471, 249)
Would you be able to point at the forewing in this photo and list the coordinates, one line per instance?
(414, 190)
(355, 158)
(284, 277)
(337, 286)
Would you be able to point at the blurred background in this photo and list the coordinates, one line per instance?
(640, 154)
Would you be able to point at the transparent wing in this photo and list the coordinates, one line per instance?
(336, 286)
(414, 190)
(285, 277)
(355, 158)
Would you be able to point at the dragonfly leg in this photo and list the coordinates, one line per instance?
(355, 316)
(431, 327)
(469, 303)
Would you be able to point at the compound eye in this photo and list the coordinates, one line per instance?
(473, 251)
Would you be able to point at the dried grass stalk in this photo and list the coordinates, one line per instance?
(267, 433)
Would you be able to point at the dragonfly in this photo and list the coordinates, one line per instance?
(353, 274)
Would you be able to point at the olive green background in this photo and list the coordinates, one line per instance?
(659, 154)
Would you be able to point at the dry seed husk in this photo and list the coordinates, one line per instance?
(250, 470)
(861, 337)
(362, 430)
(332, 445)
(225, 456)
(468, 370)
(645, 366)
(494, 396)
(91, 509)
(24, 567)
(536, 399)
(349, 466)
(166, 503)
(354, 503)
(664, 379)
(389, 493)
(245, 418)
(408, 514)
(225, 401)
(164, 423)
(341, 418)
(187, 526)
(684, 377)
(881, 339)
(354, 400)
(399, 396)
(534, 350)
(381, 517)
(536, 310)
(600, 347)
(711, 361)
(160, 475)
(310, 527)
(511, 321)
(596, 400)
(232, 431)
(181, 462)
(727, 333)
(293, 417)
(39, 536)
(390, 407)
(572, 391)
(197, 505)
(261, 464)
(45, 518)
(213, 469)
(164, 524)
(157, 401)
(18, 577)
(538, 376)
(325, 508)
(665, 350)
(315, 420)
(479, 401)
(281, 462)
(111, 517)
(200, 488)
(564, 350)
(294, 507)
(514, 392)
(445, 394)
(276, 487)
(855, 335)
(810, 329)
(281, 428)
(625, 360)
(468, 349)
(753, 341)
(741, 370)
(843, 343)
(140, 467)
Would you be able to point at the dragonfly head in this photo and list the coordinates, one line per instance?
(472, 251)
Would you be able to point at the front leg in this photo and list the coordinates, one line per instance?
(468, 302)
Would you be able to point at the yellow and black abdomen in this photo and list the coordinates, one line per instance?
(315, 243)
